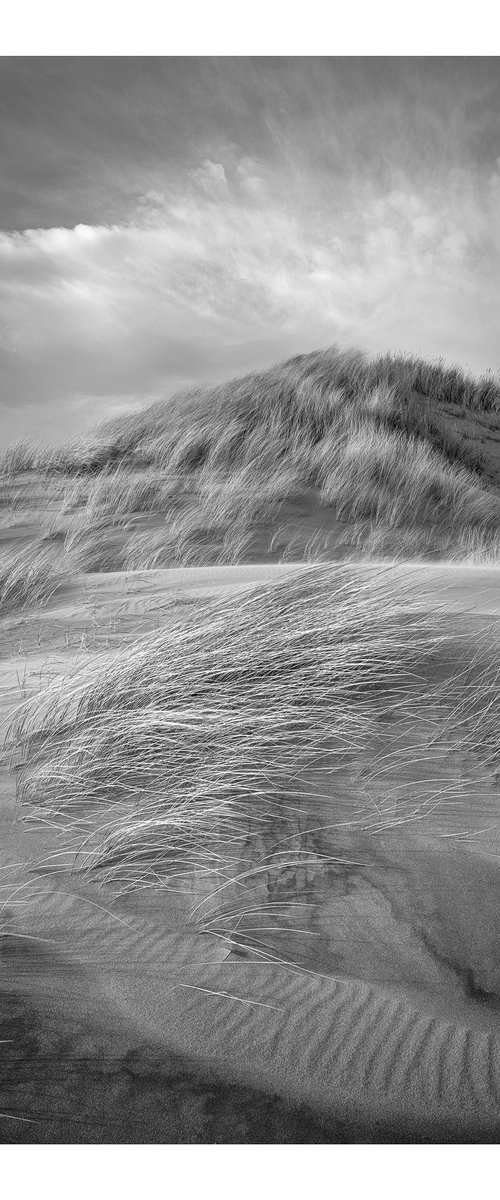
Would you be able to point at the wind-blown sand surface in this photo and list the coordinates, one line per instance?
(377, 1004)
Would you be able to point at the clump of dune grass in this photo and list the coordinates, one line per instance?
(120, 492)
(182, 540)
(379, 474)
(477, 546)
(165, 757)
(217, 522)
(446, 384)
(12, 504)
(95, 514)
(21, 456)
(186, 539)
(83, 456)
(250, 495)
(30, 576)
(93, 542)
(386, 542)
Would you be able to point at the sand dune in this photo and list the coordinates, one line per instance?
(386, 1009)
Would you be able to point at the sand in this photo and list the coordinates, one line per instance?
(385, 1012)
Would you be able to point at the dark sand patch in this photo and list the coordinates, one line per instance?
(66, 1079)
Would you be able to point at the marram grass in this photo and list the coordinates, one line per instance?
(164, 758)
(30, 576)
(375, 444)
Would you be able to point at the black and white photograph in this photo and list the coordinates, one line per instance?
(249, 599)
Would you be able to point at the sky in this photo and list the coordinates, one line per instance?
(170, 221)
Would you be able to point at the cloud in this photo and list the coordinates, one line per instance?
(211, 178)
(129, 309)
(240, 213)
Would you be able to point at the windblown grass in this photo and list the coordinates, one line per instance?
(477, 546)
(365, 436)
(95, 542)
(278, 412)
(187, 538)
(292, 406)
(96, 514)
(218, 523)
(19, 457)
(30, 576)
(166, 757)
(376, 473)
(118, 492)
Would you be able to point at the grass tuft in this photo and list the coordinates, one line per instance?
(168, 757)
(30, 576)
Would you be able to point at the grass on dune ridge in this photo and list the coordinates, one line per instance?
(215, 474)
(291, 402)
(166, 757)
(212, 467)
(289, 408)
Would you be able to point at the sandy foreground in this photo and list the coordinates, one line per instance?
(375, 1011)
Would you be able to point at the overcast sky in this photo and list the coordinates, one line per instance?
(166, 221)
